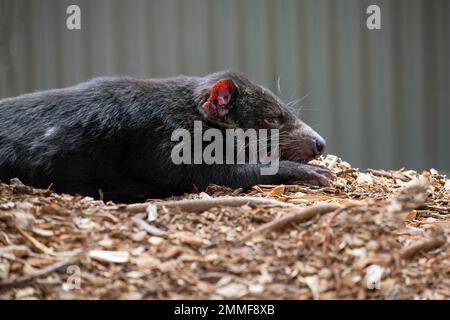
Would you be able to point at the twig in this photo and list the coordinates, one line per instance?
(43, 248)
(333, 216)
(426, 245)
(387, 174)
(199, 205)
(295, 217)
(42, 272)
(15, 249)
(37, 244)
(154, 231)
(440, 209)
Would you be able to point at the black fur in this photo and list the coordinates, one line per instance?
(114, 134)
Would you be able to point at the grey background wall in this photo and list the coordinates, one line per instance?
(381, 98)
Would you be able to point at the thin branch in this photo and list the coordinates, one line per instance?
(199, 205)
(299, 215)
(388, 174)
(327, 230)
(425, 245)
(42, 272)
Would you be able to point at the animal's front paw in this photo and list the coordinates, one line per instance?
(292, 172)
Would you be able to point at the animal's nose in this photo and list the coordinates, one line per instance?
(319, 146)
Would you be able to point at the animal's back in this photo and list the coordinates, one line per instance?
(65, 135)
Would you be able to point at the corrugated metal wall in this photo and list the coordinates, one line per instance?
(381, 98)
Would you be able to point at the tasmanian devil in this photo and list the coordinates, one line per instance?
(114, 134)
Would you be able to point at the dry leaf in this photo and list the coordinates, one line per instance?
(411, 216)
(275, 191)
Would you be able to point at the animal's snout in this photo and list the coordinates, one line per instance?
(319, 146)
(302, 144)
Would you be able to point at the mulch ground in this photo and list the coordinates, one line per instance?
(374, 234)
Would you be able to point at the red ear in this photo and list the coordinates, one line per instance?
(218, 105)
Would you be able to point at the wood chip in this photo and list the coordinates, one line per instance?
(396, 220)
(110, 256)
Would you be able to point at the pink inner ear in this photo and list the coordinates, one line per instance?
(218, 103)
(223, 97)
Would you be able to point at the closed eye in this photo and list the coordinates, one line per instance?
(272, 122)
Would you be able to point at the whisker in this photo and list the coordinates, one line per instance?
(278, 84)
